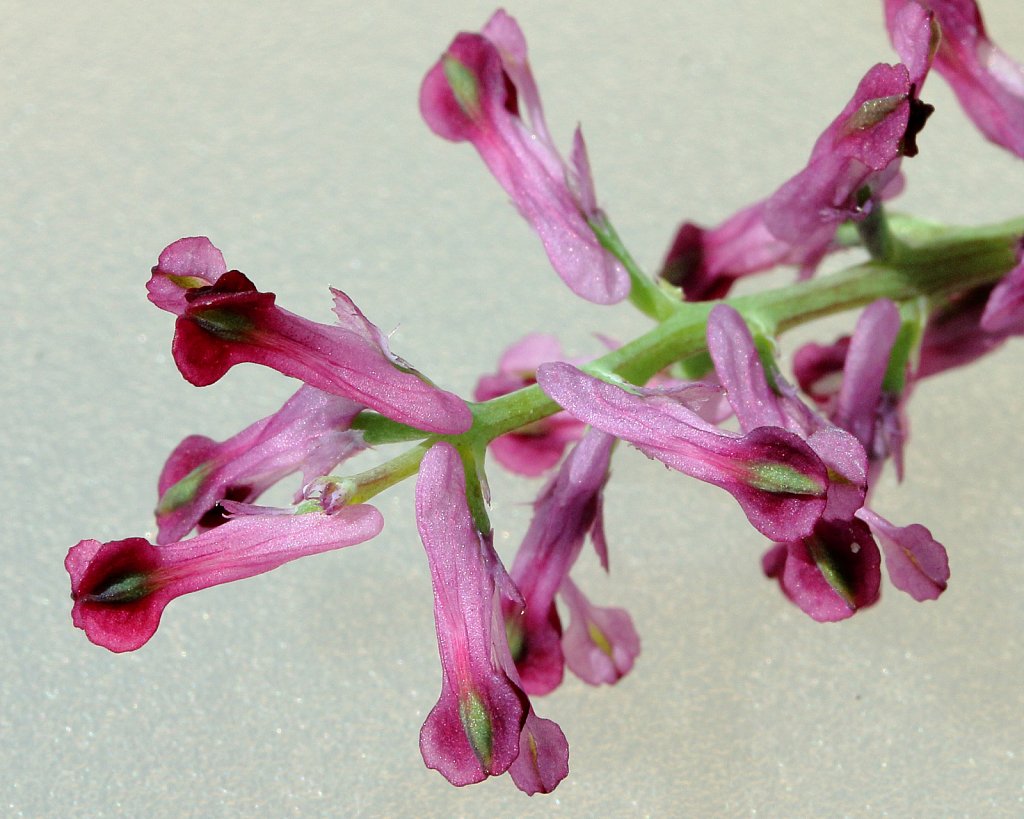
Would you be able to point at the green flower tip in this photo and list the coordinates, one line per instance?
(463, 84)
(178, 494)
(126, 588)
(772, 476)
(476, 722)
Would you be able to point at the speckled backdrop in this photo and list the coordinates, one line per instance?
(289, 133)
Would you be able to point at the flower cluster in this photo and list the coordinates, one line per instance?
(703, 391)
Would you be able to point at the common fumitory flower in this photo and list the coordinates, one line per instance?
(600, 643)
(482, 90)
(568, 508)
(476, 729)
(120, 588)
(776, 477)
(854, 163)
(534, 449)
(834, 571)
(227, 321)
(987, 82)
(309, 433)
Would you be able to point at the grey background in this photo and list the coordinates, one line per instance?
(289, 134)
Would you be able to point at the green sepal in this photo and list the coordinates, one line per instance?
(476, 722)
(183, 491)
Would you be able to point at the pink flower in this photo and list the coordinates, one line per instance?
(309, 433)
(989, 85)
(600, 644)
(532, 450)
(854, 163)
(567, 510)
(834, 571)
(483, 723)
(120, 588)
(777, 479)
(227, 321)
(482, 90)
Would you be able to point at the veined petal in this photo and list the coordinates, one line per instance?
(474, 729)
(987, 82)
(120, 588)
(566, 510)
(831, 574)
(916, 561)
(472, 93)
(777, 479)
(184, 264)
(309, 433)
(600, 644)
(231, 322)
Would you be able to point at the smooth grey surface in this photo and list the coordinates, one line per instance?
(289, 134)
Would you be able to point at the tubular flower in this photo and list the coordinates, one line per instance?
(534, 449)
(120, 588)
(777, 479)
(854, 163)
(482, 91)
(309, 433)
(476, 729)
(567, 509)
(834, 571)
(227, 321)
(987, 82)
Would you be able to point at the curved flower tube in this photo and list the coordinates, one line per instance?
(121, 588)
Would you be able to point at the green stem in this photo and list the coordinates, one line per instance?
(933, 267)
(644, 293)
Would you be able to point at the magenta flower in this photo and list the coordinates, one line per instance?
(777, 479)
(975, 322)
(987, 82)
(534, 449)
(476, 729)
(600, 644)
(834, 572)
(120, 588)
(228, 321)
(1004, 310)
(831, 574)
(309, 433)
(568, 508)
(482, 90)
(854, 163)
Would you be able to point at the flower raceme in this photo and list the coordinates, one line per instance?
(482, 90)
(834, 571)
(802, 476)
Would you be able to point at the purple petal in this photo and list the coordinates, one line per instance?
(831, 574)
(309, 433)
(232, 322)
(600, 644)
(473, 730)
(120, 588)
(916, 562)
(742, 465)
